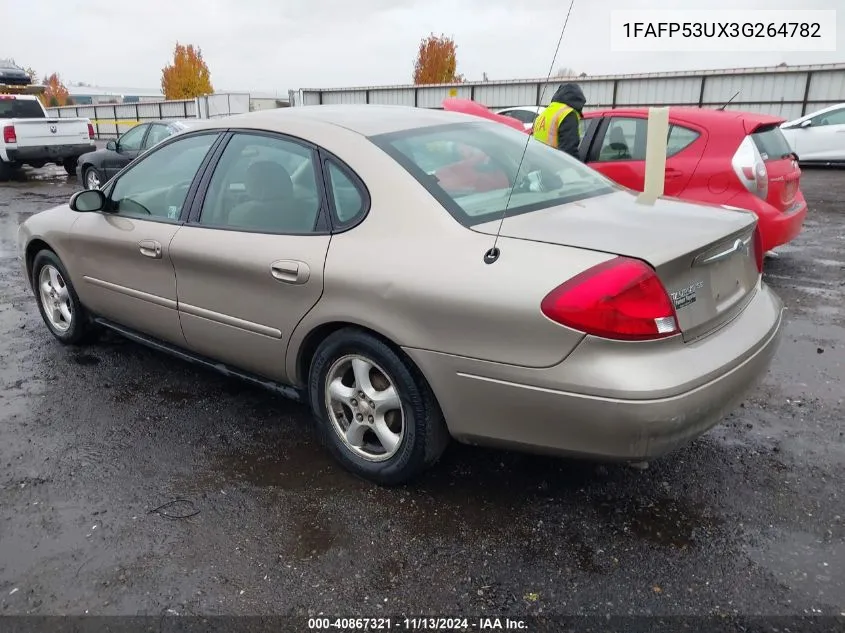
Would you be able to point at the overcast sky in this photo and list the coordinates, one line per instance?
(276, 45)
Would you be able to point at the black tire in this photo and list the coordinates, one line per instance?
(7, 170)
(91, 170)
(70, 165)
(81, 326)
(425, 434)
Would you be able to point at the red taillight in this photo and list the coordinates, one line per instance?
(619, 299)
(90, 131)
(9, 135)
(758, 250)
(751, 169)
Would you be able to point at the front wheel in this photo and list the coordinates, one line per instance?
(91, 178)
(58, 303)
(70, 165)
(375, 411)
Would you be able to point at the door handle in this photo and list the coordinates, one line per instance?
(290, 272)
(150, 248)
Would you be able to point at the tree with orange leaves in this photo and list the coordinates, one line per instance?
(437, 61)
(56, 94)
(188, 76)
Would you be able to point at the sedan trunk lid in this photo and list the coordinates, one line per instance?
(704, 255)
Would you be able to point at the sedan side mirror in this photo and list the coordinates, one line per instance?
(88, 200)
(112, 146)
(807, 123)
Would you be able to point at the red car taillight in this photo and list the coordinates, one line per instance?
(619, 299)
(90, 131)
(750, 167)
(9, 135)
(758, 249)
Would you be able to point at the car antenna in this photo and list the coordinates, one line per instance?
(493, 254)
(729, 100)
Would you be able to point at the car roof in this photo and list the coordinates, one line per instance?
(835, 106)
(702, 116)
(367, 120)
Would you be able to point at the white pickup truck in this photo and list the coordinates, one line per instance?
(30, 137)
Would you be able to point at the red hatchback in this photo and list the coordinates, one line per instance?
(738, 159)
(731, 158)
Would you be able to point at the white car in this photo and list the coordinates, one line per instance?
(818, 137)
(524, 114)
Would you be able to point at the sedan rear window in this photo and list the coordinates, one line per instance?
(471, 169)
(771, 143)
(20, 109)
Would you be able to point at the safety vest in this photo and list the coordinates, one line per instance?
(549, 120)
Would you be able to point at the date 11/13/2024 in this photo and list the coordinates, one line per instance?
(417, 624)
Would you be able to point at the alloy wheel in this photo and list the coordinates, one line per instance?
(364, 407)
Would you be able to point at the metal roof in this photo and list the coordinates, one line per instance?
(367, 120)
(654, 75)
(97, 91)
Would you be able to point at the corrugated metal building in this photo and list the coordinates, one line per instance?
(95, 95)
(787, 91)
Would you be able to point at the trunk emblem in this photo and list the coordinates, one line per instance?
(53, 129)
(685, 296)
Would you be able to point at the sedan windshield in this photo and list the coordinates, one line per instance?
(473, 170)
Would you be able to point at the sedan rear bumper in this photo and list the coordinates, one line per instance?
(776, 227)
(653, 403)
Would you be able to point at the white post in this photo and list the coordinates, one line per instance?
(655, 154)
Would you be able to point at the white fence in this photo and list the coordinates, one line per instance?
(783, 91)
(112, 120)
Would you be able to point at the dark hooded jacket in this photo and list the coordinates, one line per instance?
(568, 138)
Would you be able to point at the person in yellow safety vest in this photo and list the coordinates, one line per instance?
(559, 125)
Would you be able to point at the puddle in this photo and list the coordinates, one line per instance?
(127, 394)
(175, 396)
(811, 565)
(314, 535)
(85, 359)
(585, 556)
(305, 466)
(665, 522)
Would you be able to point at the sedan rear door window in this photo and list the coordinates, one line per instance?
(264, 184)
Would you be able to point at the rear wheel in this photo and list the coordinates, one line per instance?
(7, 170)
(375, 411)
(70, 165)
(58, 303)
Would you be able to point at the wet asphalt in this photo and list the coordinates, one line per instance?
(94, 441)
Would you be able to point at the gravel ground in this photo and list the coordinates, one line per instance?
(746, 520)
